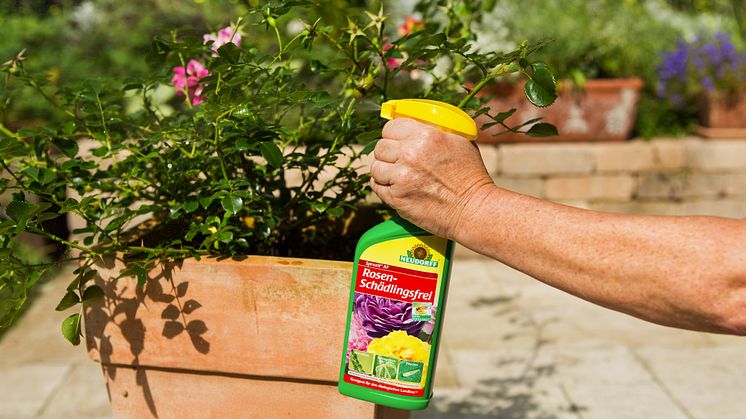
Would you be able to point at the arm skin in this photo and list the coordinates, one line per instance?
(685, 272)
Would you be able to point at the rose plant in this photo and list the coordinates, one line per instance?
(260, 155)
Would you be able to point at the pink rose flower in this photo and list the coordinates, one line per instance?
(393, 63)
(223, 36)
(359, 340)
(187, 80)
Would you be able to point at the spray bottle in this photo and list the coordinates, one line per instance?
(398, 292)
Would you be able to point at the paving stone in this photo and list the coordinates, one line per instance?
(25, 389)
(82, 394)
(610, 382)
(708, 381)
(719, 208)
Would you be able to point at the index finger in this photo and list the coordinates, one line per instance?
(404, 128)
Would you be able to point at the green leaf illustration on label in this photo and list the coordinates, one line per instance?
(385, 367)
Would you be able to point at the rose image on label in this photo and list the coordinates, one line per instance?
(381, 316)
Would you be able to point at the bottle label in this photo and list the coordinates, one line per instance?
(394, 312)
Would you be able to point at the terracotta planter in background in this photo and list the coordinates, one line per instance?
(257, 338)
(723, 116)
(604, 111)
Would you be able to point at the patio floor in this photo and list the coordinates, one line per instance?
(512, 348)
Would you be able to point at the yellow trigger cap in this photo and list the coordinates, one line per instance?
(440, 114)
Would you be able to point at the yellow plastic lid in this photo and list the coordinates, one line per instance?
(440, 114)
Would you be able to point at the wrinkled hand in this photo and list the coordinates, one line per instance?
(432, 178)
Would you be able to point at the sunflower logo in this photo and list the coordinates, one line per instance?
(420, 252)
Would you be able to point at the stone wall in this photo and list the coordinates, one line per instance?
(662, 176)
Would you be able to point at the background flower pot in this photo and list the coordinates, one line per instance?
(722, 115)
(260, 337)
(604, 111)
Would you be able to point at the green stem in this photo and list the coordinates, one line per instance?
(495, 73)
(63, 241)
(8, 132)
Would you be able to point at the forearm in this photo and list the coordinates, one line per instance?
(687, 272)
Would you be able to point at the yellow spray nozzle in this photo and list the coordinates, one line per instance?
(440, 114)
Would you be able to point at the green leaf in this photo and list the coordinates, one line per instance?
(18, 210)
(46, 176)
(191, 206)
(224, 236)
(502, 116)
(69, 300)
(71, 329)
(540, 89)
(93, 85)
(542, 130)
(12, 147)
(230, 52)
(92, 293)
(232, 203)
(272, 153)
(205, 201)
(369, 136)
(67, 146)
(32, 173)
(369, 147)
(242, 144)
(335, 212)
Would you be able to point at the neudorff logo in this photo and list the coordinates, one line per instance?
(419, 255)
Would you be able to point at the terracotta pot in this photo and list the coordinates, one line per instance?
(723, 116)
(604, 111)
(256, 338)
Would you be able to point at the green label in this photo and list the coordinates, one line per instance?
(410, 371)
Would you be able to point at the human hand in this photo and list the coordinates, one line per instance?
(432, 178)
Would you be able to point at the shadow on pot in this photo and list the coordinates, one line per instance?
(119, 316)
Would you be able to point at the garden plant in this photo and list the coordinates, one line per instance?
(260, 154)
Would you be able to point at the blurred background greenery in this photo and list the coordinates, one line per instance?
(71, 40)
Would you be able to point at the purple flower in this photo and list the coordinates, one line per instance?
(708, 84)
(705, 65)
(381, 316)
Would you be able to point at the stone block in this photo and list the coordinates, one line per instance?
(736, 185)
(703, 185)
(491, 158)
(533, 186)
(713, 156)
(618, 187)
(547, 159)
(669, 154)
(634, 156)
(657, 186)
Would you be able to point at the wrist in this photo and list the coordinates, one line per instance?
(473, 212)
